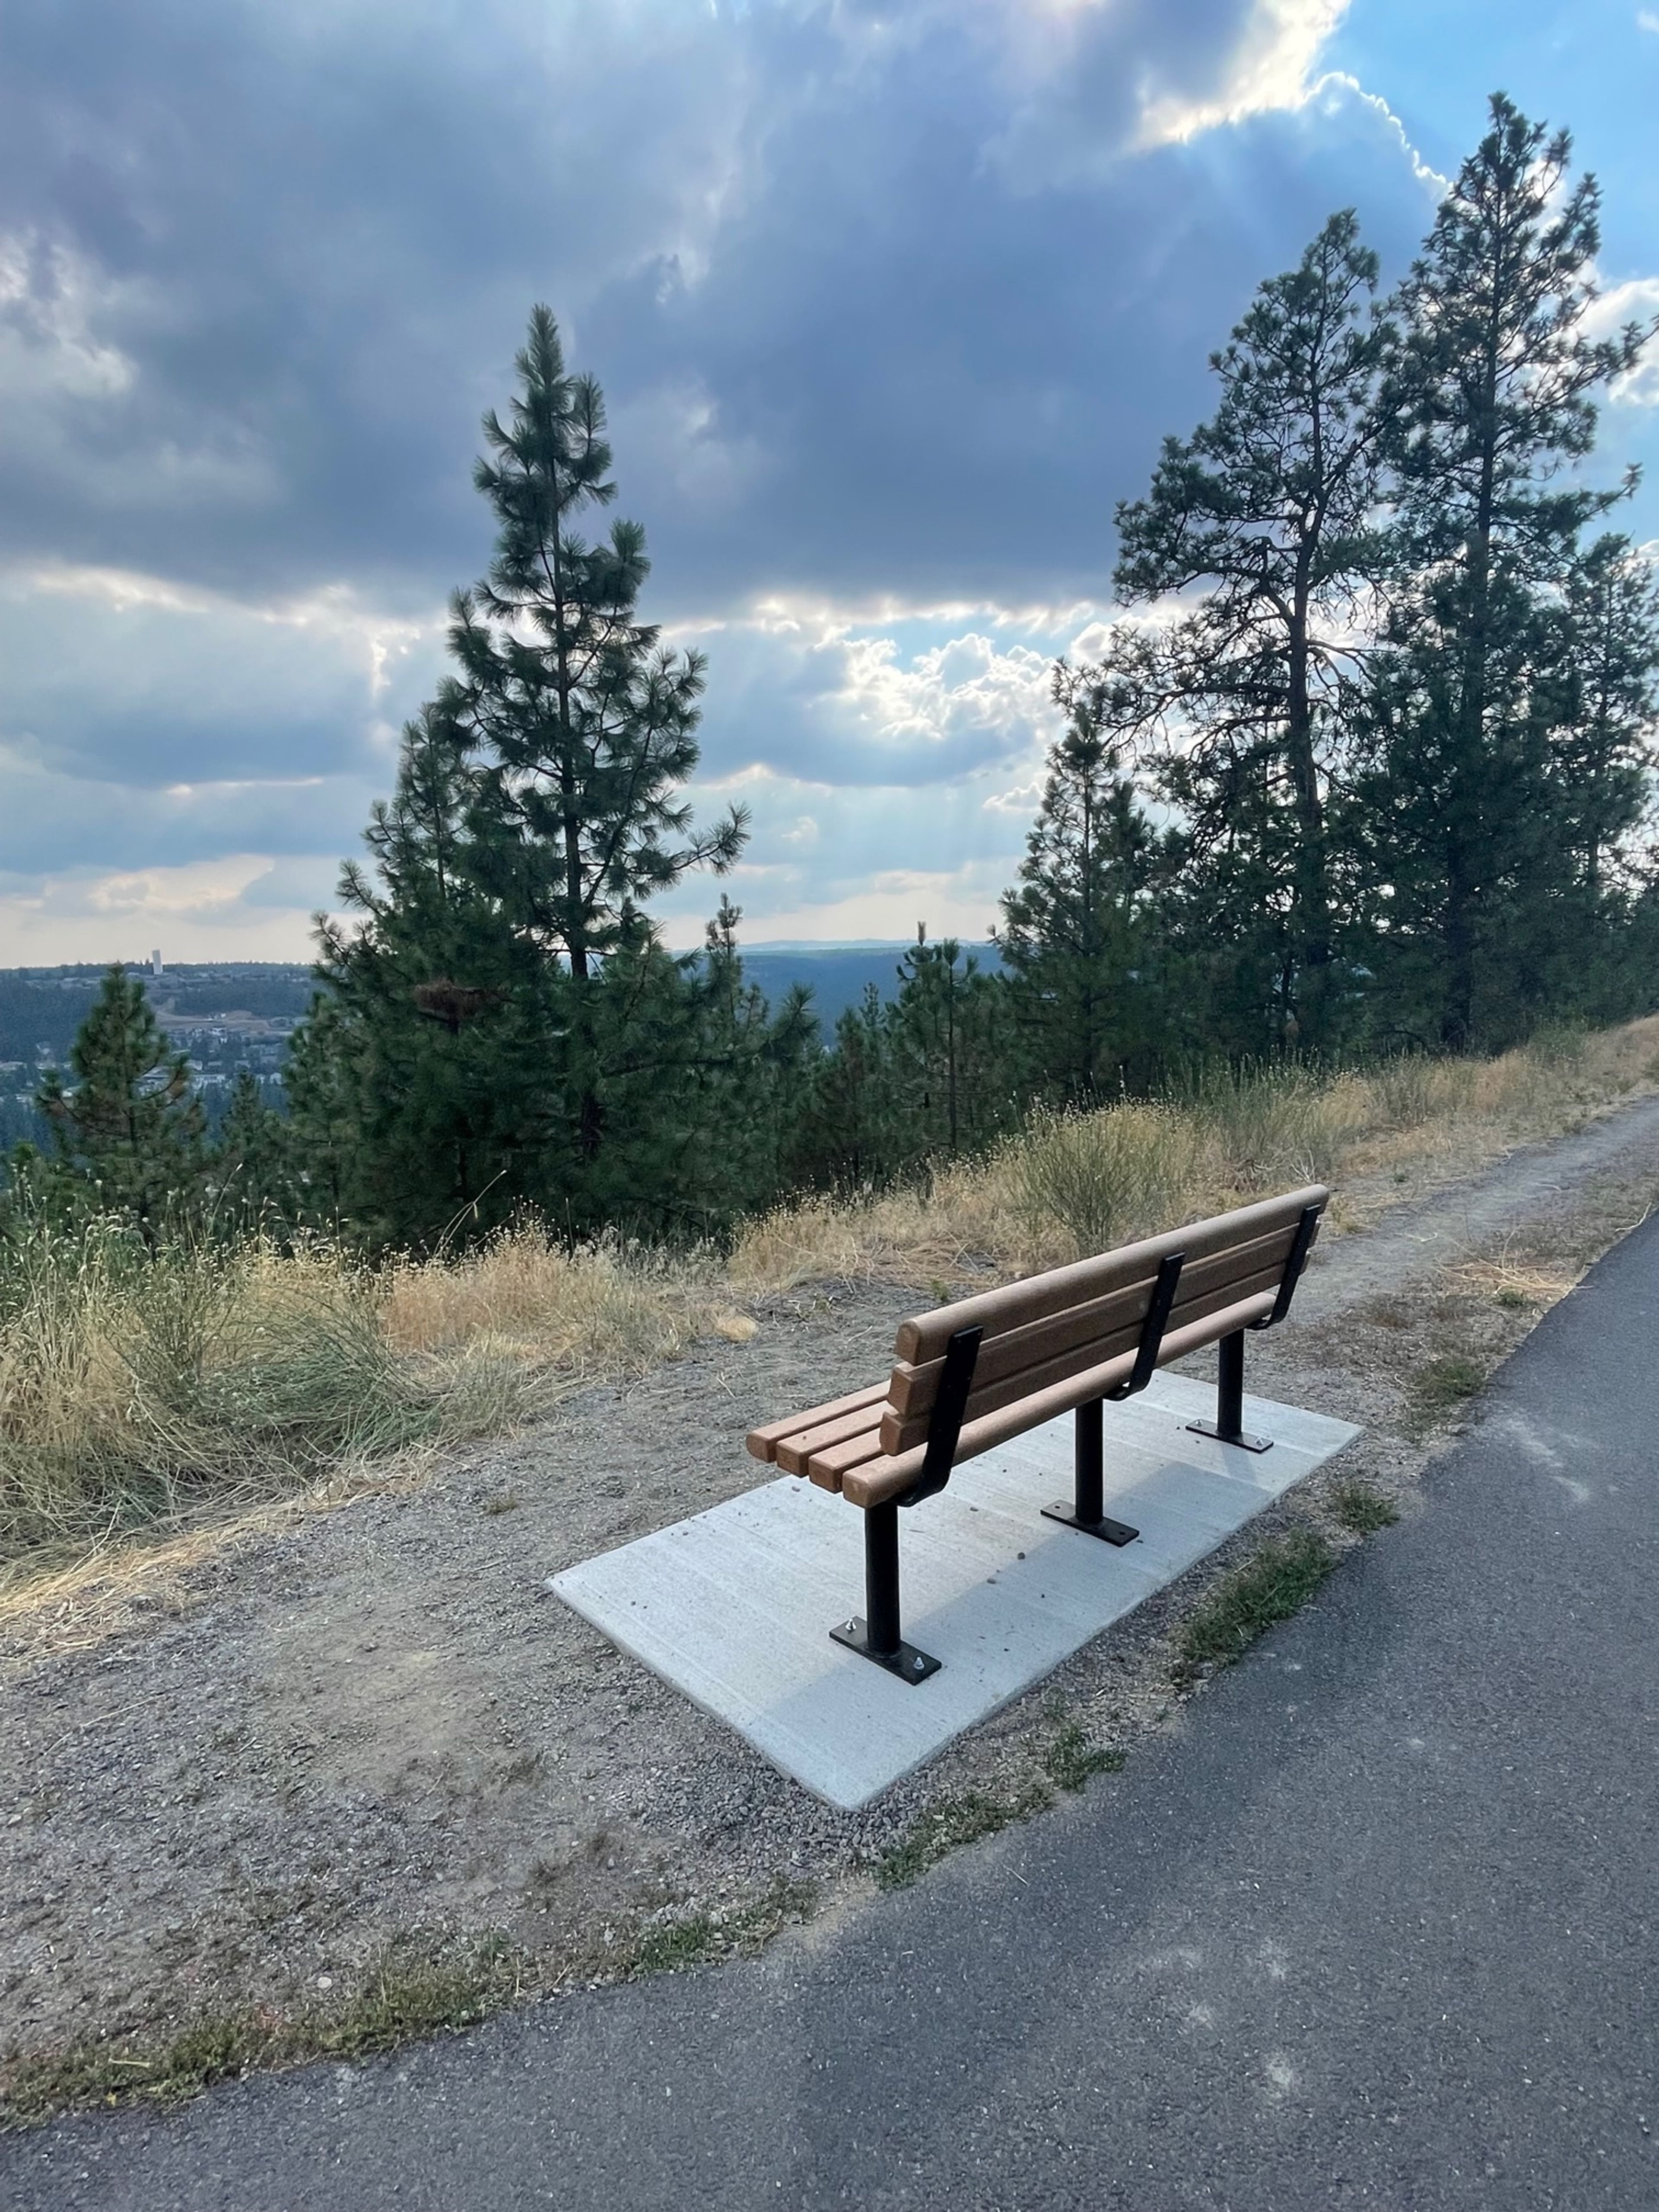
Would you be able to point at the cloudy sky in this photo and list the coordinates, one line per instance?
(890, 305)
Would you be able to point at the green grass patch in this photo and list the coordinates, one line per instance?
(407, 1992)
(669, 1947)
(1445, 1383)
(1071, 1759)
(949, 1824)
(1362, 1509)
(1276, 1583)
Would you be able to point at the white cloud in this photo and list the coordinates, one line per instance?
(241, 906)
(1637, 301)
(960, 901)
(1270, 68)
(50, 298)
(1336, 86)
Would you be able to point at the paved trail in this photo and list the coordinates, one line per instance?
(1377, 1929)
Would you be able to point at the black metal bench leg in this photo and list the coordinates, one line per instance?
(876, 1634)
(1087, 1510)
(1229, 1422)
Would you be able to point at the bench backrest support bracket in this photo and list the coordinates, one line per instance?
(1152, 1329)
(1306, 1229)
(944, 1423)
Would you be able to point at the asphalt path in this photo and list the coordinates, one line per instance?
(1375, 1928)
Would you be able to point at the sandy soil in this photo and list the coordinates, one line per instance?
(235, 1782)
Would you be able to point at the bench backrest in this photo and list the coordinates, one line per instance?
(1055, 1340)
(1047, 1344)
(1050, 1330)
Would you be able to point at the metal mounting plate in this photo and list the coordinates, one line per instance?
(1244, 1442)
(1108, 1531)
(910, 1664)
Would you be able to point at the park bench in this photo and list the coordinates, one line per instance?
(970, 1376)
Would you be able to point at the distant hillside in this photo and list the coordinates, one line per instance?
(200, 1003)
(838, 974)
(41, 1008)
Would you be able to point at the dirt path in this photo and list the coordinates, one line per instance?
(377, 1729)
(1415, 1239)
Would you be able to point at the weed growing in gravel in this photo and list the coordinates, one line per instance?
(1444, 1384)
(1358, 1506)
(950, 1823)
(1071, 1759)
(407, 1992)
(1276, 1582)
(672, 1945)
(668, 1946)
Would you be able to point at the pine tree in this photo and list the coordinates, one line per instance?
(502, 1027)
(130, 1128)
(1266, 513)
(1074, 941)
(1489, 404)
(581, 721)
(949, 1049)
(253, 1166)
(423, 1085)
(1604, 743)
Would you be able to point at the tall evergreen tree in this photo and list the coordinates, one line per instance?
(581, 721)
(252, 1165)
(949, 1049)
(1488, 404)
(852, 1135)
(424, 1084)
(130, 1128)
(1609, 716)
(1266, 513)
(500, 1024)
(1076, 947)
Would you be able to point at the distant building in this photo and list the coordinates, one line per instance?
(155, 967)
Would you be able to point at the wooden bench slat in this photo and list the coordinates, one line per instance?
(924, 1336)
(903, 1435)
(793, 1451)
(830, 1468)
(873, 1481)
(762, 1444)
(1017, 1350)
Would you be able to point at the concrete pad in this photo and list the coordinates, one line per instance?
(734, 1606)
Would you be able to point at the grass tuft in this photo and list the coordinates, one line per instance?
(1071, 1759)
(668, 1946)
(407, 1992)
(1358, 1506)
(949, 1824)
(1270, 1587)
(1445, 1383)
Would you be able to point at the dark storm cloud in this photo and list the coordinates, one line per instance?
(888, 305)
(881, 301)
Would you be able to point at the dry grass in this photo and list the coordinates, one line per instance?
(1068, 1184)
(141, 1389)
(603, 1309)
